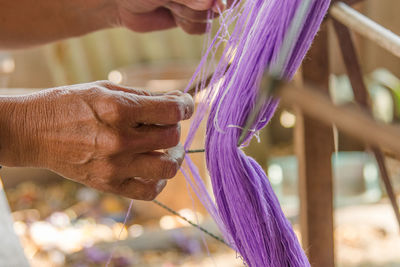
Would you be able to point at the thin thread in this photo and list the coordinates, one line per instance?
(120, 232)
(193, 151)
(244, 206)
(198, 222)
(191, 223)
(231, 82)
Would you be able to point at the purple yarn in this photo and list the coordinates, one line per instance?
(245, 207)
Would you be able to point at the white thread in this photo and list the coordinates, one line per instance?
(240, 127)
(289, 42)
(245, 48)
(257, 136)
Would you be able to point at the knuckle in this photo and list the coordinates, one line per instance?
(108, 172)
(105, 83)
(95, 89)
(108, 102)
(110, 110)
(115, 142)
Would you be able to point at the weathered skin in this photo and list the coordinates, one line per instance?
(26, 23)
(99, 134)
(109, 137)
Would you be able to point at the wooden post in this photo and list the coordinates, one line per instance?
(314, 147)
(350, 58)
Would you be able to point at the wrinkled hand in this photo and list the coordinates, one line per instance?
(151, 15)
(100, 134)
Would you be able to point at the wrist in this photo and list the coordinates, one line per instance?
(87, 16)
(10, 107)
(17, 131)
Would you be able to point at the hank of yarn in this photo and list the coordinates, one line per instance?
(247, 211)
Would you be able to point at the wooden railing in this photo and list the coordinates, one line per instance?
(317, 114)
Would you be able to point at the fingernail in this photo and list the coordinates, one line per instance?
(160, 185)
(220, 6)
(176, 151)
(186, 115)
(189, 106)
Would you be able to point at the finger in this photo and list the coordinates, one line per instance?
(136, 188)
(125, 111)
(142, 139)
(174, 92)
(153, 137)
(153, 165)
(137, 91)
(196, 5)
(124, 89)
(191, 27)
(187, 13)
(219, 6)
(167, 109)
(159, 19)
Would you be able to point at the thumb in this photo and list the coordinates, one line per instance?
(219, 6)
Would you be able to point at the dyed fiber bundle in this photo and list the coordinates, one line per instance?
(245, 206)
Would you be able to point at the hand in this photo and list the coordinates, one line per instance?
(151, 15)
(100, 134)
(24, 24)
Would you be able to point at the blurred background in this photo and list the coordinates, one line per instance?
(61, 223)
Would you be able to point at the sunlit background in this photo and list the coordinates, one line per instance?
(61, 223)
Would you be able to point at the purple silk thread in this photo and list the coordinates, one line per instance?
(244, 206)
(120, 232)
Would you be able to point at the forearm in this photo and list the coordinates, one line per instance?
(25, 23)
(11, 109)
(16, 133)
(8, 107)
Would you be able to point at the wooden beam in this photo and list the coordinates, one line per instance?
(366, 27)
(349, 118)
(314, 147)
(350, 58)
